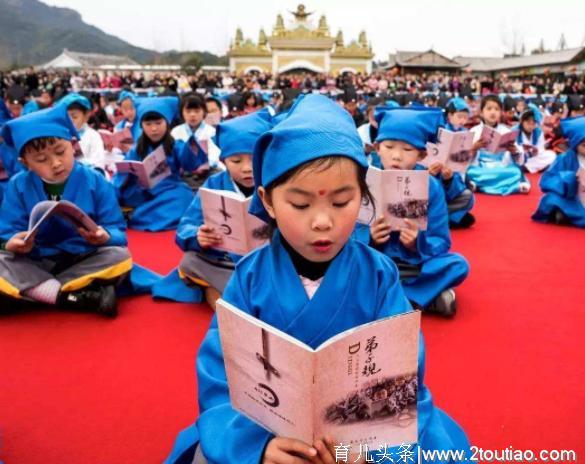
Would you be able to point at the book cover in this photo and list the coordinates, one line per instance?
(398, 195)
(227, 213)
(359, 386)
(497, 142)
(151, 171)
(453, 149)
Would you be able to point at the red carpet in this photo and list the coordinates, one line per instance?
(75, 388)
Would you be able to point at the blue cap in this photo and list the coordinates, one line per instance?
(167, 107)
(390, 105)
(458, 104)
(314, 127)
(72, 98)
(239, 135)
(415, 126)
(52, 122)
(574, 130)
(125, 95)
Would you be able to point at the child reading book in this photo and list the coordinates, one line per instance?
(496, 173)
(90, 141)
(162, 206)
(427, 270)
(530, 141)
(563, 183)
(312, 282)
(201, 263)
(460, 199)
(58, 264)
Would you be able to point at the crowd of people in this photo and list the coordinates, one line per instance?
(301, 156)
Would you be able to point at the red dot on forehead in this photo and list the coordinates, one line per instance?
(322, 192)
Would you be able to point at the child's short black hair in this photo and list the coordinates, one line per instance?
(213, 100)
(77, 106)
(490, 98)
(38, 144)
(192, 101)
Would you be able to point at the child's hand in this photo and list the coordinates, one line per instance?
(288, 451)
(447, 173)
(96, 238)
(409, 234)
(512, 148)
(326, 451)
(207, 237)
(109, 146)
(380, 231)
(435, 168)
(479, 145)
(17, 245)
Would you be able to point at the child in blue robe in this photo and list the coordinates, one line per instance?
(59, 265)
(127, 103)
(460, 199)
(312, 281)
(530, 141)
(495, 173)
(563, 184)
(427, 270)
(161, 207)
(201, 264)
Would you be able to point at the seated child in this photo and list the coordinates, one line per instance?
(58, 265)
(127, 105)
(460, 199)
(530, 141)
(312, 281)
(193, 111)
(161, 207)
(427, 270)
(563, 180)
(9, 164)
(495, 173)
(202, 264)
(90, 141)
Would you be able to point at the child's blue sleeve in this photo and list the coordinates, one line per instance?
(109, 215)
(436, 239)
(453, 187)
(13, 212)
(189, 160)
(558, 180)
(186, 237)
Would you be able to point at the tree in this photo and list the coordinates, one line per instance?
(562, 42)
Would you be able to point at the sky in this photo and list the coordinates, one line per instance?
(450, 27)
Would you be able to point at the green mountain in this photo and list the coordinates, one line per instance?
(33, 33)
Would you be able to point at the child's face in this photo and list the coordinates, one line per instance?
(458, 119)
(52, 163)
(581, 149)
(396, 154)
(528, 125)
(14, 108)
(491, 113)
(251, 101)
(155, 129)
(127, 109)
(240, 169)
(193, 116)
(78, 117)
(316, 210)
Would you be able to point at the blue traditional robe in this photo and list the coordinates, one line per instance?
(360, 286)
(495, 173)
(172, 287)
(9, 160)
(440, 270)
(559, 184)
(161, 207)
(86, 188)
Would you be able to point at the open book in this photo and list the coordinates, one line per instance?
(43, 210)
(116, 139)
(152, 170)
(398, 195)
(497, 142)
(453, 149)
(359, 386)
(227, 213)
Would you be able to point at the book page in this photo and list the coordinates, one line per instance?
(156, 167)
(270, 374)
(436, 153)
(43, 210)
(133, 167)
(257, 230)
(226, 215)
(373, 179)
(366, 384)
(460, 155)
(405, 195)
